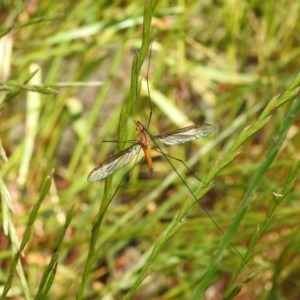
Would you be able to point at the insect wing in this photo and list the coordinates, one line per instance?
(114, 163)
(186, 134)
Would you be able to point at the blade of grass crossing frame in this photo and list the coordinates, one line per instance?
(280, 139)
(232, 290)
(136, 68)
(225, 241)
(124, 116)
(27, 234)
(50, 271)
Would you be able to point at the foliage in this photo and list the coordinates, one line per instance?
(224, 222)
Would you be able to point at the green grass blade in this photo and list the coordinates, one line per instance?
(253, 185)
(50, 271)
(27, 234)
(124, 116)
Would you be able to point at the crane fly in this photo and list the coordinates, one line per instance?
(144, 140)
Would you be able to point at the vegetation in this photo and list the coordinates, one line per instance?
(221, 220)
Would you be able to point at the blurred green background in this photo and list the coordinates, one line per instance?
(70, 78)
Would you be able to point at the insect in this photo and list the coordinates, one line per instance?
(144, 140)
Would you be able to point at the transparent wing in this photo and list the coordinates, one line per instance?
(114, 163)
(186, 134)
